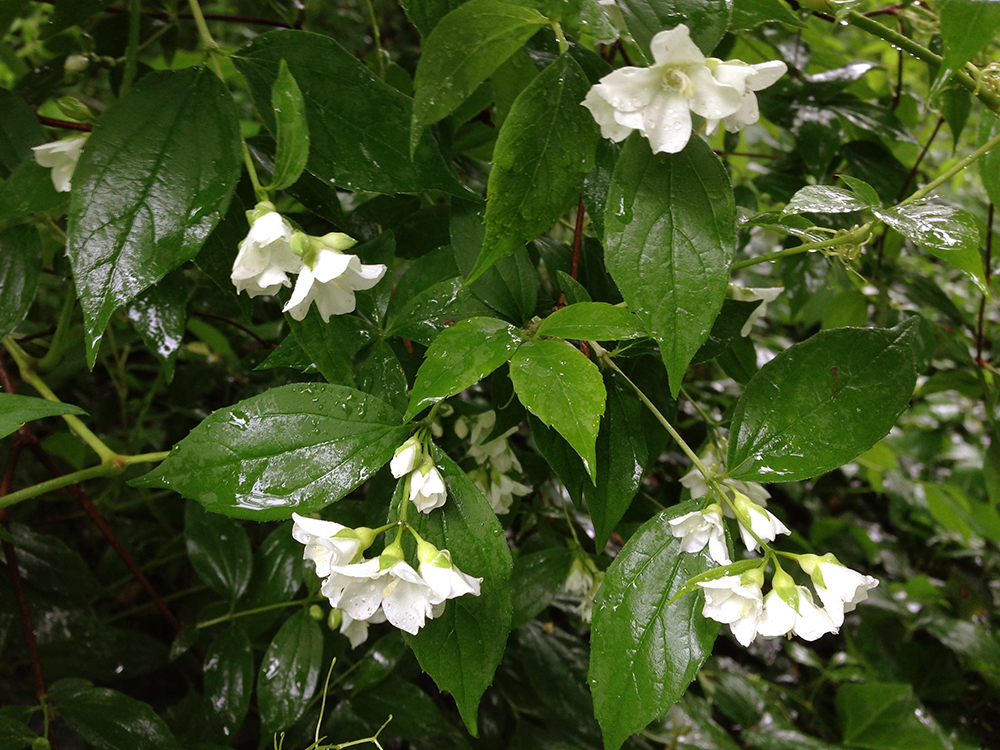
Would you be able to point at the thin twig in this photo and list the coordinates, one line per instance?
(52, 122)
(577, 239)
(982, 303)
(913, 172)
(259, 339)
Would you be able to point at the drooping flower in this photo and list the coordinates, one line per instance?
(839, 588)
(330, 277)
(579, 581)
(658, 101)
(695, 482)
(265, 258)
(443, 576)
(748, 294)
(61, 157)
(357, 630)
(494, 458)
(427, 487)
(406, 457)
(759, 520)
(747, 79)
(328, 543)
(499, 489)
(789, 609)
(701, 527)
(735, 601)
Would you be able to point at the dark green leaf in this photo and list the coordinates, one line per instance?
(644, 653)
(621, 459)
(946, 232)
(109, 720)
(823, 199)
(425, 14)
(27, 191)
(597, 183)
(592, 321)
(886, 716)
(289, 672)
(277, 575)
(966, 27)
(19, 130)
(154, 179)
(706, 19)
(670, 240)
(563, 388)
(382, 376)
(537, 580)
(330, 345)
(726, 329)
(294, 448)
(358, 124)
(862, 190)
(989, 163)
(544, 149)
(219, 550)
(430, 312)
(183, 642)
(48, 564)
(749, 13)
(16, 410)
(561, 457)
(462, 648)
(160, 316)
(229, 679)
(379, 662)
(822, 402)
(292, 135)
(465, 49)
(956, 105)
(461, 356)
(20, 269)
(15, 734)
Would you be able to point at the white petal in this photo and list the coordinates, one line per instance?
(712, 99)
(330, 265)
(734, 73)
(629, 89)
(674, 47)
(766, 74)
(604, 116)
(406, 605)
(777, 618)
(667, 123)
(305, 526)
(302, 295)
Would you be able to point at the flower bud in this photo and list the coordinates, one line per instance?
(405, 458)
(316, 612)
(334, 619)
(337, 241)
(75, 64)
(74, 109)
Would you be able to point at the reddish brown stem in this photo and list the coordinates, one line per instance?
(913, 172)
(52, 122)
(577, 239)
(980, 337)
(748, 155)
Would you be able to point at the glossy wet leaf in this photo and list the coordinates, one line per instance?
(537, 580)
(621, 459)
(945, 231)
(277, 576)
(461, 356)
(183, 642)
(670, 239)
(289, 671)
(154, 179)
(592, 321)
(381, 658)
(219, 550)
(293, 448)
(564, 389)
(160, 316)
(644, 654)
(886, 716)
(824, 199)
(429, 312)
(359, 125)
(707, 20)
(465, 49)
(543, 151)
(229, 678)
(822, 402)
(292, 134)
(332, 344)
(462, 648)
(109, 720)
(20, 270)
(381, 375)
(16, 410)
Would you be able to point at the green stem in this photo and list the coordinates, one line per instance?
(373, 739)
(132, 53)
(856, 235)
(59, 340)
(378, 40)
(560, 37)
(257, 610)
(952, 171)
(259, 192)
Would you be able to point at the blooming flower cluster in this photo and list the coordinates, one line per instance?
(427, 489)
(495, 461)
(61, 157)
(658, 100)
(327, 275)
(383, 588)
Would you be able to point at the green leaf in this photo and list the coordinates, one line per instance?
(382, 376)
(292, 135)
(644, 654)
(160, 316)
(750, 13)
(15, 734)
(884, 716)
(289, 672)
(183, 642)
(331, 345)
(822, 402)
(19, 130)
(592, 321)
(862, 190)
(16, 410)
(670, 240)
(425, 14)
(219, 550)
(380, 661)
(621, 459)
(461, 356)
(20, 269)
(706, 19)
(294, 448)
(277, 576)
(29, 190)
(823, 199)
(431, 311)
(563, 388)
(543, 151)
(229, 679)
(966, 27)
(726, 328)
(461, 649)
(109, 720)
(537, 580)
(465, 49)
(359, 125)
(946, 232)
(154, 179)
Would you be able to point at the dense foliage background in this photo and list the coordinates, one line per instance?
(175, 610)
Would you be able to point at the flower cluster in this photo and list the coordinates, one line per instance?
(61, 157)
(327, 275)
(383, 588)
(427, 489)
(658, 100)
(495, 460)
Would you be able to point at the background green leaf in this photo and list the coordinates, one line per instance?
(20, 269)
(219, 550)
(707, 20)
(289, 671)
(16, 410)
(229, 678)
(292, 128)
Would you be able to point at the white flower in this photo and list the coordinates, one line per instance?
(804, 619)
(328, 543)
(406, 457)
(61, 157)
(499, 489)
(76, 64)
(747, 79)
(331, 277)
(496, 452)
(427, 488)
(360, 589)
(748, 294)
(839, 588)
(735, 601)
(695, 482)
(357, 630)
(658, 101)
(761, 521)
(265, 258)
(699, 528)
(579, 581)
(586, 608)
(444, 578)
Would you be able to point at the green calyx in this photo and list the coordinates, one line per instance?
(391, 555)
(259, 211)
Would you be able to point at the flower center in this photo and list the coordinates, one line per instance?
(675, 78)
